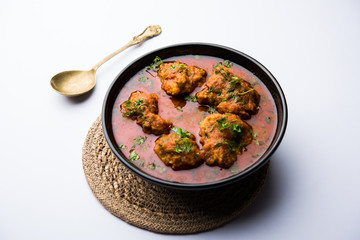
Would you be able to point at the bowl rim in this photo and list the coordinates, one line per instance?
(209, 185)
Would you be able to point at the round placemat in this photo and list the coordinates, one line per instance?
(155, 208)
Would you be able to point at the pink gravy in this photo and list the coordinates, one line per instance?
(125, 130)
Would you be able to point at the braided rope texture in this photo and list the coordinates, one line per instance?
(155, 208)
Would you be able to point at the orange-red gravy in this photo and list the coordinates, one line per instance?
(125, 130)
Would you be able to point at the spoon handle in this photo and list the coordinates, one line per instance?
(149, 32)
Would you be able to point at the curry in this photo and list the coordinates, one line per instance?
(193, 119)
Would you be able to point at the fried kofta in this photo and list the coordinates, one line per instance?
(143, 108)
(223, 136)
(178, 150)
(178, 78)
(229, 93)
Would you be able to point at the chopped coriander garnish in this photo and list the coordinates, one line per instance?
(181, 132)
(142, 79)
(211, 110)
(133, 156)
(222, 124)
(217, 65)
(138, 140)
(155, 65)
(228, 64)
(141, 163)
(151, 166)
(223, 73)
(234, 81)
(252, 133)
(243, 93)
(139, 102)
(128, 105)
(235, 130)
(210, 90)
(183, 145)
(122, 146)
(256, 142)
(255, 155)
(179, 109)
(179, 66)
(190, 98)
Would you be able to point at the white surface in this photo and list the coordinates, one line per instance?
(311, 47)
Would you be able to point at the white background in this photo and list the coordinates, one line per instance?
(311, 47)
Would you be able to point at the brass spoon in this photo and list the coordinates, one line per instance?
(75, 83)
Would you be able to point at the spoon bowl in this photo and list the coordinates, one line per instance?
(75, 83)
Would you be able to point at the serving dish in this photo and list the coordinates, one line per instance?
(205, 49)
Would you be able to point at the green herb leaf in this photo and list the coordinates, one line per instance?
(234, 81)
(155, 65)
(228, 64)
(211, 110)
(138, 140)
(243, 93)
(181, 132)
(217, 65)
(253, 134)
(222, 124)
(232, 145)
(179, 109)
(141, 163)
(179, 66)
(183, 145)
(122, 146)
(151, 166)
(224, 74)
(128, 105)
(210, 90)
(256, 142)
(142, 79)
(139, 102)
(133, 156)
(235, 130)
(190, 98)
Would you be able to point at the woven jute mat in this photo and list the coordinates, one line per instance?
(155, 208)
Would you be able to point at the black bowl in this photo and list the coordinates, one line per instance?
(196, 49)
